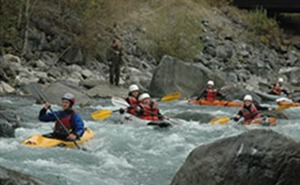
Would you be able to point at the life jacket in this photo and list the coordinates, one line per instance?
(250, 115)
(66, 120)
(149, 112)
(133, 102)
(211, 94)
(277, 89)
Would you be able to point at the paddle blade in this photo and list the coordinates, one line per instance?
(220, 120)
(282, 107)
(119, 102)
(101, 114)
(171, 97)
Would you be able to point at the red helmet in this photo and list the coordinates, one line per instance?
(70, 97)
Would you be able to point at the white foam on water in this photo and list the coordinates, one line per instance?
(122, 154)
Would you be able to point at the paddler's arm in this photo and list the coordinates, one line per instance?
(222, 96)
(202, 95)
(262, 108)
(138, 111)
(238, 116)
(285, 92)
(47, 116)
(78, 125)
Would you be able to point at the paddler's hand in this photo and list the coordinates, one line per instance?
(72, 137)
(166, 118)
(122, 111)
(47, 105)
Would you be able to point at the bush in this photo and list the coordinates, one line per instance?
(174, 31)
(263, 27)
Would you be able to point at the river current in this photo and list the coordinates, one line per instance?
(122, 154)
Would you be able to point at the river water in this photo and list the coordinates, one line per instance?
(121, 154)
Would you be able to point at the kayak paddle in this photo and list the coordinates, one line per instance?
(171, 97)
(282, 107)
(42, 97)
(220, 120)
(119, 102)
(102, 114)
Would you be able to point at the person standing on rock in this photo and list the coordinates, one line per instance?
(132, 99)
(114, 57)
(250, 111)
(71, 119)
(278, 88)
(211, 93)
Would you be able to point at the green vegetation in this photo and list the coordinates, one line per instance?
(174, 32)
(9, 21)
(168, 27)
(262, 27)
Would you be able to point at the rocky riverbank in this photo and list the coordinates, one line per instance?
(227, 56)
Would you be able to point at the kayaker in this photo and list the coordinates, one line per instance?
(211, 93)
(278, 88)
(71, 119)
(132, 99)
(148, 109)
(250, 111)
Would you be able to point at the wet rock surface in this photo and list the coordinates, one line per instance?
(11, 177)
(255, 157)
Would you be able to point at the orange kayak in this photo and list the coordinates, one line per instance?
(270, 121)
(289, 103)
(217, 103)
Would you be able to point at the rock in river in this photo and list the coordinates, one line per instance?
(11, 177)
(256, 157)
(173, 75)
(8, 122)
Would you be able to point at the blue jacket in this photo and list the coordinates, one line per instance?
(76, 122)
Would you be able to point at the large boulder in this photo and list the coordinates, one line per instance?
(237, 92)
(11, 177)
(8, 123)
(105, 90)
(293, 74)
(5, 88)
(55, 91)
(256, 157)
(173, 75)
(73, 55)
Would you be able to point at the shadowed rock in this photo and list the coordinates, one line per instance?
(11, 177)
(256, 157)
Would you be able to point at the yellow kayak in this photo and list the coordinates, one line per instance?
(44, 142)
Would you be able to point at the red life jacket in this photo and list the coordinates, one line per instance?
(149, 112)
(250, 115)
(66, 121)
(277, 89)
(211, 94)
(133, 102)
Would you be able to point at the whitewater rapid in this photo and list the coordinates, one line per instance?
(120, 154)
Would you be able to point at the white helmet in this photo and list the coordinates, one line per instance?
(210, 82)
(70, 97)
(280, 80)
(144, 96)
(133, 87)
(248, 97)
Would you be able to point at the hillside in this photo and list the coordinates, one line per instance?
(214, 33)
